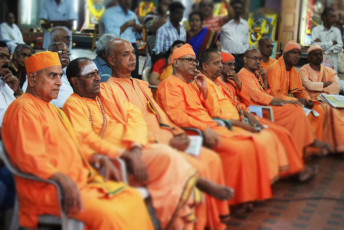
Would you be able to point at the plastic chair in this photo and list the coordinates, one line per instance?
(144, 191)
(258, 110)
(145, 74)
(66, 222)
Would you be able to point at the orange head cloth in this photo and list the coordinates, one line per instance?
(291, 45)
(314, 47)
(185, 49)
(41, 60)
(227, 57)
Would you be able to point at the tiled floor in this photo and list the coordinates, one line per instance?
(318, 205)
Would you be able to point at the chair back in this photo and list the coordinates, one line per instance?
(145, 74)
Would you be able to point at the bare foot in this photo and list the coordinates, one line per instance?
(327, 148)
(218, 191)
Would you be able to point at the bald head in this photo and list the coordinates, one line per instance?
(121, 57)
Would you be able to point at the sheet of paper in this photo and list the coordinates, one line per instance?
(195, 145)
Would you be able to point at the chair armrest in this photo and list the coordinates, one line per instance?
(195, 130)
(258, 110)
(153, 86)
(224, 123)
(120, 163)
(4, 156)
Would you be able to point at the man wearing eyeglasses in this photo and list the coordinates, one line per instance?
(184, 106)
(163, 130)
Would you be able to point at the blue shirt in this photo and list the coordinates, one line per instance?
(102, 65)
(57, 12)
(166, 35)
(114, 18)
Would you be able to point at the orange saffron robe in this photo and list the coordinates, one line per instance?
(229, 107)
(287, 85)
(266, 65)
(243, 159)
(162, 130)
(169, 173)
(45, 144)
(291, 117)
(334, 121)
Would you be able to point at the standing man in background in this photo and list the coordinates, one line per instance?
(123, 22)
(234, 35)
(57, 13)
(329, 38)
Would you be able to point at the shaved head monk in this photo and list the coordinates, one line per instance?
(162, 130)
(266, 47)
(243, 159)
(45, 145)
(111, 126)
(319, 79)
(285, 83)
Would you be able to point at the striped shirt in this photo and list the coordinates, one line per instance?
(166, 35)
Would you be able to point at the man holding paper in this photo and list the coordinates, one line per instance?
(162, 130)
(320, 81)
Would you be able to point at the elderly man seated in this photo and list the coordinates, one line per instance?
(65, 90)
(17, 65)
(101, 59)
(50, 150)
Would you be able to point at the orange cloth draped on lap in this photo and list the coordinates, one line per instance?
(162, 130)
(287, 85)
(291, 117)
(266, 65)
(226, 99)
(334, 121)
(46, 144)
(169, 174)
(243, 158)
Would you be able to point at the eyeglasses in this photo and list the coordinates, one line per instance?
(255, 58)
(190, 60)
(92, 75)
(64, 52)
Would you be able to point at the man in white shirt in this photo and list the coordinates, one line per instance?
(329, 38)
(234, 35)
(10, 33)
(66, 89)
(57, 13)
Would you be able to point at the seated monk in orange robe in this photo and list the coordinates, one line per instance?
(288, 114)
(285, 83)
(265, 46)
(240, 99)
(162, 130)
(219, 105)
(109, 125)
(45, 145)
(244, 160)
(319, 79)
